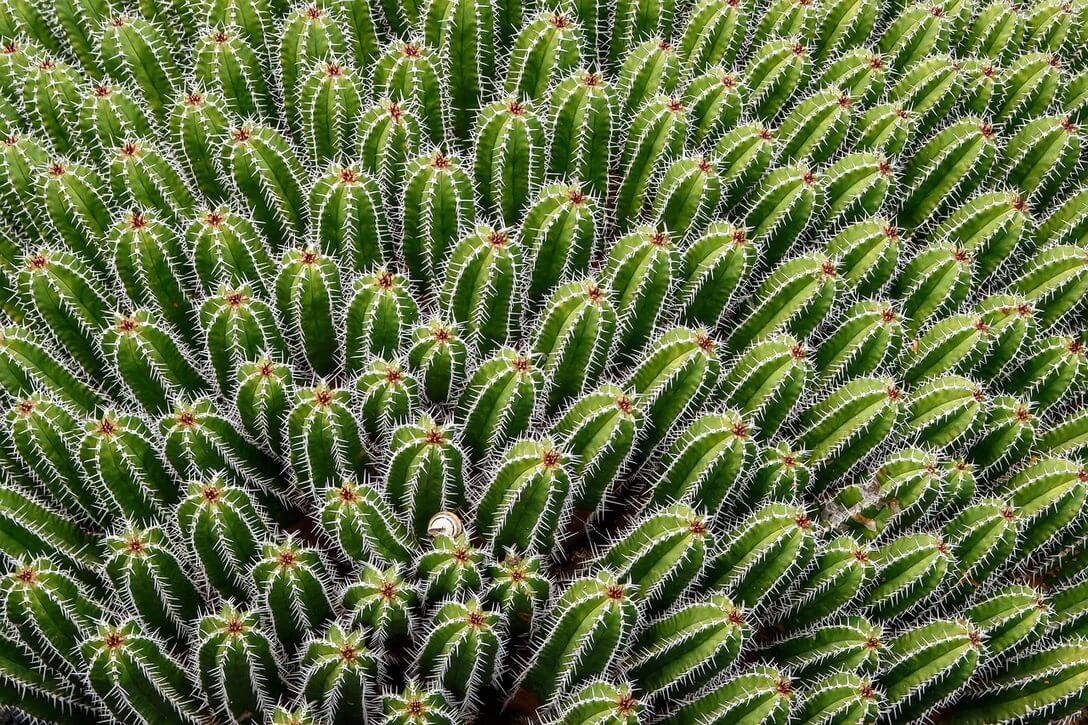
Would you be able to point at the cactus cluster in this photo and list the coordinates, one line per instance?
(544, 361)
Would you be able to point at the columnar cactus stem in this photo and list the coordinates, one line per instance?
(133, 50)
(425, 474)
(677, 374)
(237, 660)
(408, 72)
(510, 156)
(462, 32)
(794, 297)
(759, 555)
(640, 272)
(134, 677)
(28, 364)
(946, 169)
(847, 644)
(759, 690)
(656, 134)
(526, 501)
(382, 602)
(581, 121)
(602, 701)
(387, 396)
(451, 568)
(438, 206)
(705, 461)
(767, 380)
(50, 613)
(651, 68)
(308, 293)
(40, 430)
(574, 340)
(841, 568)
(226, 64)
(143, 565)
(462, 651)
(74, 199)
(222, 529)
(120, 454)
(418, 706)
(683, 650)
(340, 674)
(267, 175)
(363, 525)
(568, 656)
(928, 663)
(849, 422)
(546, 49)
(867, 339)
(439, 359)
(324, 438)
(155, 270)
(292, 584)
(520, 589)
(379, 314)
(910, 572)
(198, 125)
(599, 431)
(480, 288)
(661, 555)
(497, 402)
(200, 441)
(329, 103)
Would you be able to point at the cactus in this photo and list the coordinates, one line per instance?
(439, 358)
(526, 500)
(135, 678)
(599, 431)
(661, 555)
(574, 340)
(143, 564)
(379, 314)
(291, 584)
(349, 221)
(681, 651)
(238, 668)
(910, 571)
(1012, 618)
(767, 380)
(566, 656)
(462, 649)
(705, 461)
(381, 601)
(222, 529)
(759, 692)
(1042, 685)
(850, 645)
(339, 674)
(435, 361)
(760, 554)
(580, 127)
(497, 403)
(929, 663)
(640, 272)
(479, 289)
(983, 537)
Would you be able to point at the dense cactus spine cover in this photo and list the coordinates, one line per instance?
(425, 362)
